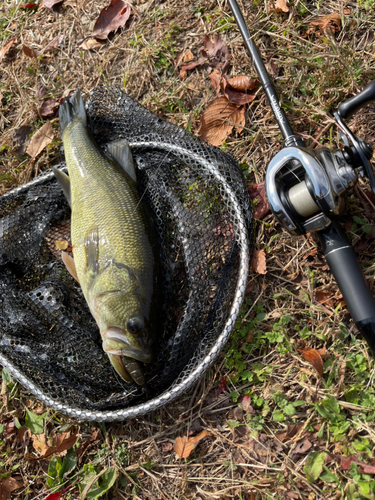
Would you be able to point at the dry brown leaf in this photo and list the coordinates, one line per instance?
(281, 6)
(188, 56)
(51, 3)
(218, 120)
(222, 386)
(258, 264)
(29, 52)
(324, 297)
(6, 47)
(61, 244)
(7, 486)
(21, 137)
(193, 64)
(184, 446)
(40, 140)
(60, 443)
(166, 447)
(216, 51)
(91, 44)
(291, 431)
(258, 192)
(326, 24)
(40, 443)
(313, 357)
(49, 107)
(111, 18)
(239, 90)
(53, 44)
(215, 79)
(242, 83)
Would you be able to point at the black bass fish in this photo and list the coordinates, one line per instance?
(114, 256)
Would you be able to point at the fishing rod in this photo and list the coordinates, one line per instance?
(305, 188)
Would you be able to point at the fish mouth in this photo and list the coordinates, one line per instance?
(116, 343)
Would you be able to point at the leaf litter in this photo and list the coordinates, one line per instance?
(40, 140)
(144, 437)
(112, 18)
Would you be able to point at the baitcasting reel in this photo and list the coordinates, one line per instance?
(305, 189)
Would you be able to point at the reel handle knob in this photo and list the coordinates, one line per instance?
(349, 107)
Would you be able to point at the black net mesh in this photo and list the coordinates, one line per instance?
(203, 219)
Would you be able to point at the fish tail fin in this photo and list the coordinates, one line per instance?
(72, 108)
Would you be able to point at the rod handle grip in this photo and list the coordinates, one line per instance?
(342, 261)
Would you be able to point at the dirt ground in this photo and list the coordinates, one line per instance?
(275, 428)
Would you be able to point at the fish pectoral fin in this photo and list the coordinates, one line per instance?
(64, 182)
(120, 151)
(92, 250)
(69, 264)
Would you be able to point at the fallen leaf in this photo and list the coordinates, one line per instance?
(324, 297)
(51, 3)
(7, 486)
(314, 358)
(21, 137)
(302, 447)
(244, 401)
(186, 57)
(193, 64)
(49, 107)
(60, 443)
(41, 90)
(40, 140)
(239, 90)
(238, 414)
(184, 446)
(111, 18)
(28, 5)
(215, 78)
(91, 44)
(29, 52)
(258, 192)
(218, 120)
(326, 24)
(6, 47)
(367, 469)
(281, 6)
(222, 387)
(56, 42)
(242, 83)
(93, 440)
(166, 447)
(292, 430)
(258, 264)
(216, 51)
(61, 244)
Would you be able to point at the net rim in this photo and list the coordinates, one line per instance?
(175, 390)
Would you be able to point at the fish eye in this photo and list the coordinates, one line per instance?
(134, 325)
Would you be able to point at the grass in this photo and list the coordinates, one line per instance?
(293, 441)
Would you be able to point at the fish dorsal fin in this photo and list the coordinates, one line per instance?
(120, 151)
(64, 182)
(69, 264)
(92, 249)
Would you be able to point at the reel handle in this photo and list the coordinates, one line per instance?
(343, 263)
(352, 105)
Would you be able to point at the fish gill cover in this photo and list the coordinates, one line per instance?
(202, 214)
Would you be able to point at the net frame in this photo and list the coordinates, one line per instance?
(192, 372)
